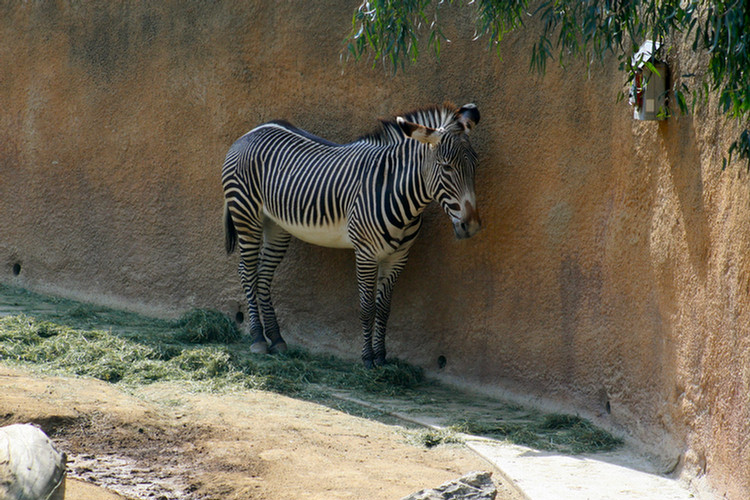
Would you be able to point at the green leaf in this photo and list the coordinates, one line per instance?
(681, 101)
(394, 31)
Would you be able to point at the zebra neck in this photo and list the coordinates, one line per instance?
(398, 184)
(418, 189)
(428, 175)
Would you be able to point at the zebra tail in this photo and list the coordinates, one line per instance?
(230, 232)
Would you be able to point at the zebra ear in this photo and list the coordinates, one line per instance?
(425, 135)
(468, 116)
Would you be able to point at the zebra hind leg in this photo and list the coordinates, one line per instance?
(249, 244)
(275, 244)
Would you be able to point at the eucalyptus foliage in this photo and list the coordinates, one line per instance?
(392, 31)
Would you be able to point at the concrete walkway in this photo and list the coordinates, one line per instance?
(541, 475)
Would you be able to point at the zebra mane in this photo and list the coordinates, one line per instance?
(390, 132)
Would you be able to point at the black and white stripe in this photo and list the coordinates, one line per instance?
(368, 195)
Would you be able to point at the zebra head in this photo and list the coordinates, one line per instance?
(450, 165)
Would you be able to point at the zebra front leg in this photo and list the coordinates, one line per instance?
(390, 270)
(276, 242)
(249, 244)
(367, 271)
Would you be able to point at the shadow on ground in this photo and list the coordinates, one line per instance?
(66, 337)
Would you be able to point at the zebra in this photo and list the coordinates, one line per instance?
(368, 195)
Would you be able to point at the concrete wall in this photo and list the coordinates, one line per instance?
(611, 278)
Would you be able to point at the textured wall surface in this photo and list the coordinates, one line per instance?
(611, 278)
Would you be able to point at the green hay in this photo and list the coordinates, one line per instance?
(203, 363)
(393, 378)
(135, 358)
(66, 337)
(93, 353)
(202, 326)
(554, 432)
(429, 438)
(293, 372)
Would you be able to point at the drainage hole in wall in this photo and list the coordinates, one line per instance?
(16, 269)
(239, 317)
(441, 362)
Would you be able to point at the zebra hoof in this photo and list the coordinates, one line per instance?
(278, 348)
(379, 361)
(259, 347)
(368, 364)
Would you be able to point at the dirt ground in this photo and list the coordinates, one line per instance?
(166, 442)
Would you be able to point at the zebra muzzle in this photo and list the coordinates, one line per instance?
(469, 224)
(465, 230)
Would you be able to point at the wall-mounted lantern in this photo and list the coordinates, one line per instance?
(648, 94)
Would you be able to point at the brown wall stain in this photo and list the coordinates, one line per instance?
(612, 272)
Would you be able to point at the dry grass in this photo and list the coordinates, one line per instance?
(204, 349)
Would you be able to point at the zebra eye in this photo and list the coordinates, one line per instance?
(446, 166)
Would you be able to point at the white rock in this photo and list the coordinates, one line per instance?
(31, 468)
(472, 486)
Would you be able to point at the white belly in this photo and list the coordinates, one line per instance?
(333, 235)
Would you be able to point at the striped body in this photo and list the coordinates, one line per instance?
(367, 195)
